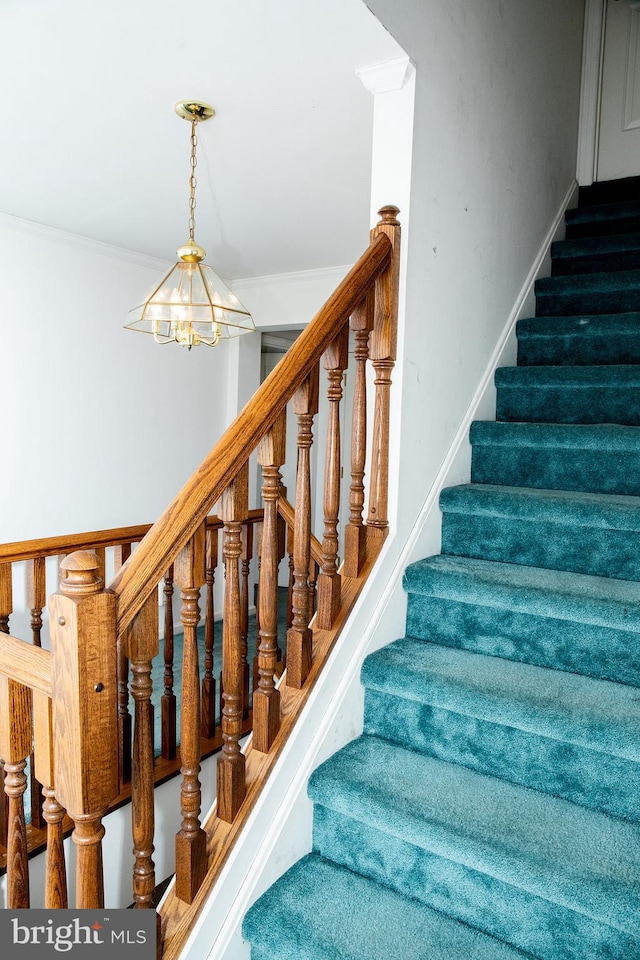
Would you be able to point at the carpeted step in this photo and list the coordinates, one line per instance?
(595, 254)
(567, 621)
(552, 878)
(604, 219)
(569, 736)
(564, 394)
(588, 293)
(598, 458)
(590, 533)
(595, 339)
(610, 191)
(321, 911)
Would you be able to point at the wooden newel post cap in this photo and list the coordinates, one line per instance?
(80, 574)
(389, 214)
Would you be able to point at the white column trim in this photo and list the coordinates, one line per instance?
(386, 77)
(589, 124)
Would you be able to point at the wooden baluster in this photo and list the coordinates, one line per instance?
(55, 893)
(313, 581)
(121, 555)
(100, 553)
(142, 646)
(6, 609)
(6, 596)
(191, 841)
(382, 351)
(355, 535)
(85, 720)
(282, 552)
(233, 510)
(36, 596)
(336, 359)
(245, 563)
(289, 615)
(266, 698)
(208, 681)
(258, 546)
(305, 406)
(15, 748)
(168, 700)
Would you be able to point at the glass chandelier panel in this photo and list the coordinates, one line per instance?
(191, 305)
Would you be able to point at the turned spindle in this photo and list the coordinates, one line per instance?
(305, 407)
(233, 510)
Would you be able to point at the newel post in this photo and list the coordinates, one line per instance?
(84, 712)
(382, 351)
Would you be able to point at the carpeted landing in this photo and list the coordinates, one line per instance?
(491, 808)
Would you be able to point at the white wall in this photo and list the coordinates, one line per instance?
(100, 426)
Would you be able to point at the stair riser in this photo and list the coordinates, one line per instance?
(579, 549)
(587, 302)
(546, 930)
(603, 228)
(586, 777)
(584, 648)
(579, 349)
(559, 468)
(610, 191)
(569, 404)
(595, 263)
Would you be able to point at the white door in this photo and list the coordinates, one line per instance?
(619, 144)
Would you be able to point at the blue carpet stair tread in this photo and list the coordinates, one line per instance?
(596, 254)
(321, 911)
(551, 731)
(608, 292)
(546, 593)
(603, 219)
(589, 533)
(588, 863)
(596, 714)
(564, 394)
(623, 189)
(593, 339)
(557, 456)
(568, 621)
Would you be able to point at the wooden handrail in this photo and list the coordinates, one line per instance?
(138, 577)
(26, 664)
(55, 546)
(20, 550)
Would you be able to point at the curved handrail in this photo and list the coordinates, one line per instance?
(138, 577)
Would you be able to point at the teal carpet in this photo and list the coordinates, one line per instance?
(491, 808)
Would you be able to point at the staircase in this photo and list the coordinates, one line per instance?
(490, 810)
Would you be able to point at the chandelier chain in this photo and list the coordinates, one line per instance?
(192, 181)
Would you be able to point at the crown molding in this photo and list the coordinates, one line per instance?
(323, 274)
(386, 77)
(42, 232)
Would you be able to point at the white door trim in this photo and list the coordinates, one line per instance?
(591, 84)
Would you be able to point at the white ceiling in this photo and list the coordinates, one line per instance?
(90, 143)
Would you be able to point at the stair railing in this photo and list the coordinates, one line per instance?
(119, 625)
(24, 579)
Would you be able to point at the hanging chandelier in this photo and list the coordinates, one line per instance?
(191, 305)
